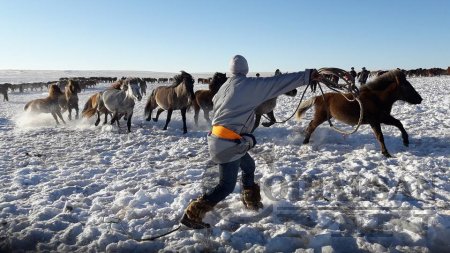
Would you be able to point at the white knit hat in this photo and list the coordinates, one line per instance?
(238, 65)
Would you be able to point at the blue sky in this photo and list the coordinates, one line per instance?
(202, 35)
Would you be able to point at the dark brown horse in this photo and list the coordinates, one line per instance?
(4, 90)
(377, 98)
(179, 96)
(203, 98)
(50, 104)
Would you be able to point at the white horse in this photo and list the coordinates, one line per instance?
(121, 102)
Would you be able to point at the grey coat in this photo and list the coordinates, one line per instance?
(234, 108)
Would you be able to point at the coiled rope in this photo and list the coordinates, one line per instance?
(347, 88)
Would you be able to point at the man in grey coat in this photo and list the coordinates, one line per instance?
(230, 138)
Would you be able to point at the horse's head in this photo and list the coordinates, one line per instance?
(133, 90)
(188, 81)
(74, 86)
(407, 91)
(54, 91)
(217, 81)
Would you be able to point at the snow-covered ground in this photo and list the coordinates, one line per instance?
(80, 188)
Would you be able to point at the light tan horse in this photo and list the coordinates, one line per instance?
(178, 96)
(70, 97)
(49, 104)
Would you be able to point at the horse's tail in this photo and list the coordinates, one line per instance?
(89, 109)
(304, 106)
(27, 105)
(150, 104)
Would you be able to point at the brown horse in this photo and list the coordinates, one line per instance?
(50, 104)
(267, 108)
(203, 98)
(377, 98)
(178, 96)
(70, 98)
(95, 105)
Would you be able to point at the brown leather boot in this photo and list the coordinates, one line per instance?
(251, 197)
(195, 212)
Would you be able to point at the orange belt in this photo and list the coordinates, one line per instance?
(225, 133)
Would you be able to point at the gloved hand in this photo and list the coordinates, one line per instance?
(250, 139)
(314, 79)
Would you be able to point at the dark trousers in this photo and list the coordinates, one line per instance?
(228, 177)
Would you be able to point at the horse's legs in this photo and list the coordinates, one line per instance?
(98, 118)
(69, 109)
(106, 118)
(390, 120)
(149, 117)
(60, 116)
(196, 112)
(160, 110)
(271, 118)
(376, 127)
(114, 117)
(206, 116)
(183, 116)
(55, 117)
(129, 122)
(169, 115)
(257, 120)
(77, 110)
(319, 118)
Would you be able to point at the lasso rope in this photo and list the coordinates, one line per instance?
(348, 87)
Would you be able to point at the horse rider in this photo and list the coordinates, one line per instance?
(353, 72)
(230, 138)
(363, 76)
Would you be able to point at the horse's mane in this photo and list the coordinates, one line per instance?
(217, 80)
(75, 83)
(177, 79)
(383, 81)
(54, 90)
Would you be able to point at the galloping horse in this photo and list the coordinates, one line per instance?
(50, 104)
(71, 97)
(121, 102)
(267, 108)
(203, 98)
(178, 96)
(95, 105)
(377, 98)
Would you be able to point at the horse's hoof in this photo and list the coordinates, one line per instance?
(406, 143)
(387, 155)
(155, 119)
(165, 128)
(267, 124)
(305, 141)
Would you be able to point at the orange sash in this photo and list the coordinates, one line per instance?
(225, 133)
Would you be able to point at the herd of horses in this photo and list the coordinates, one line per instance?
(377, 98)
